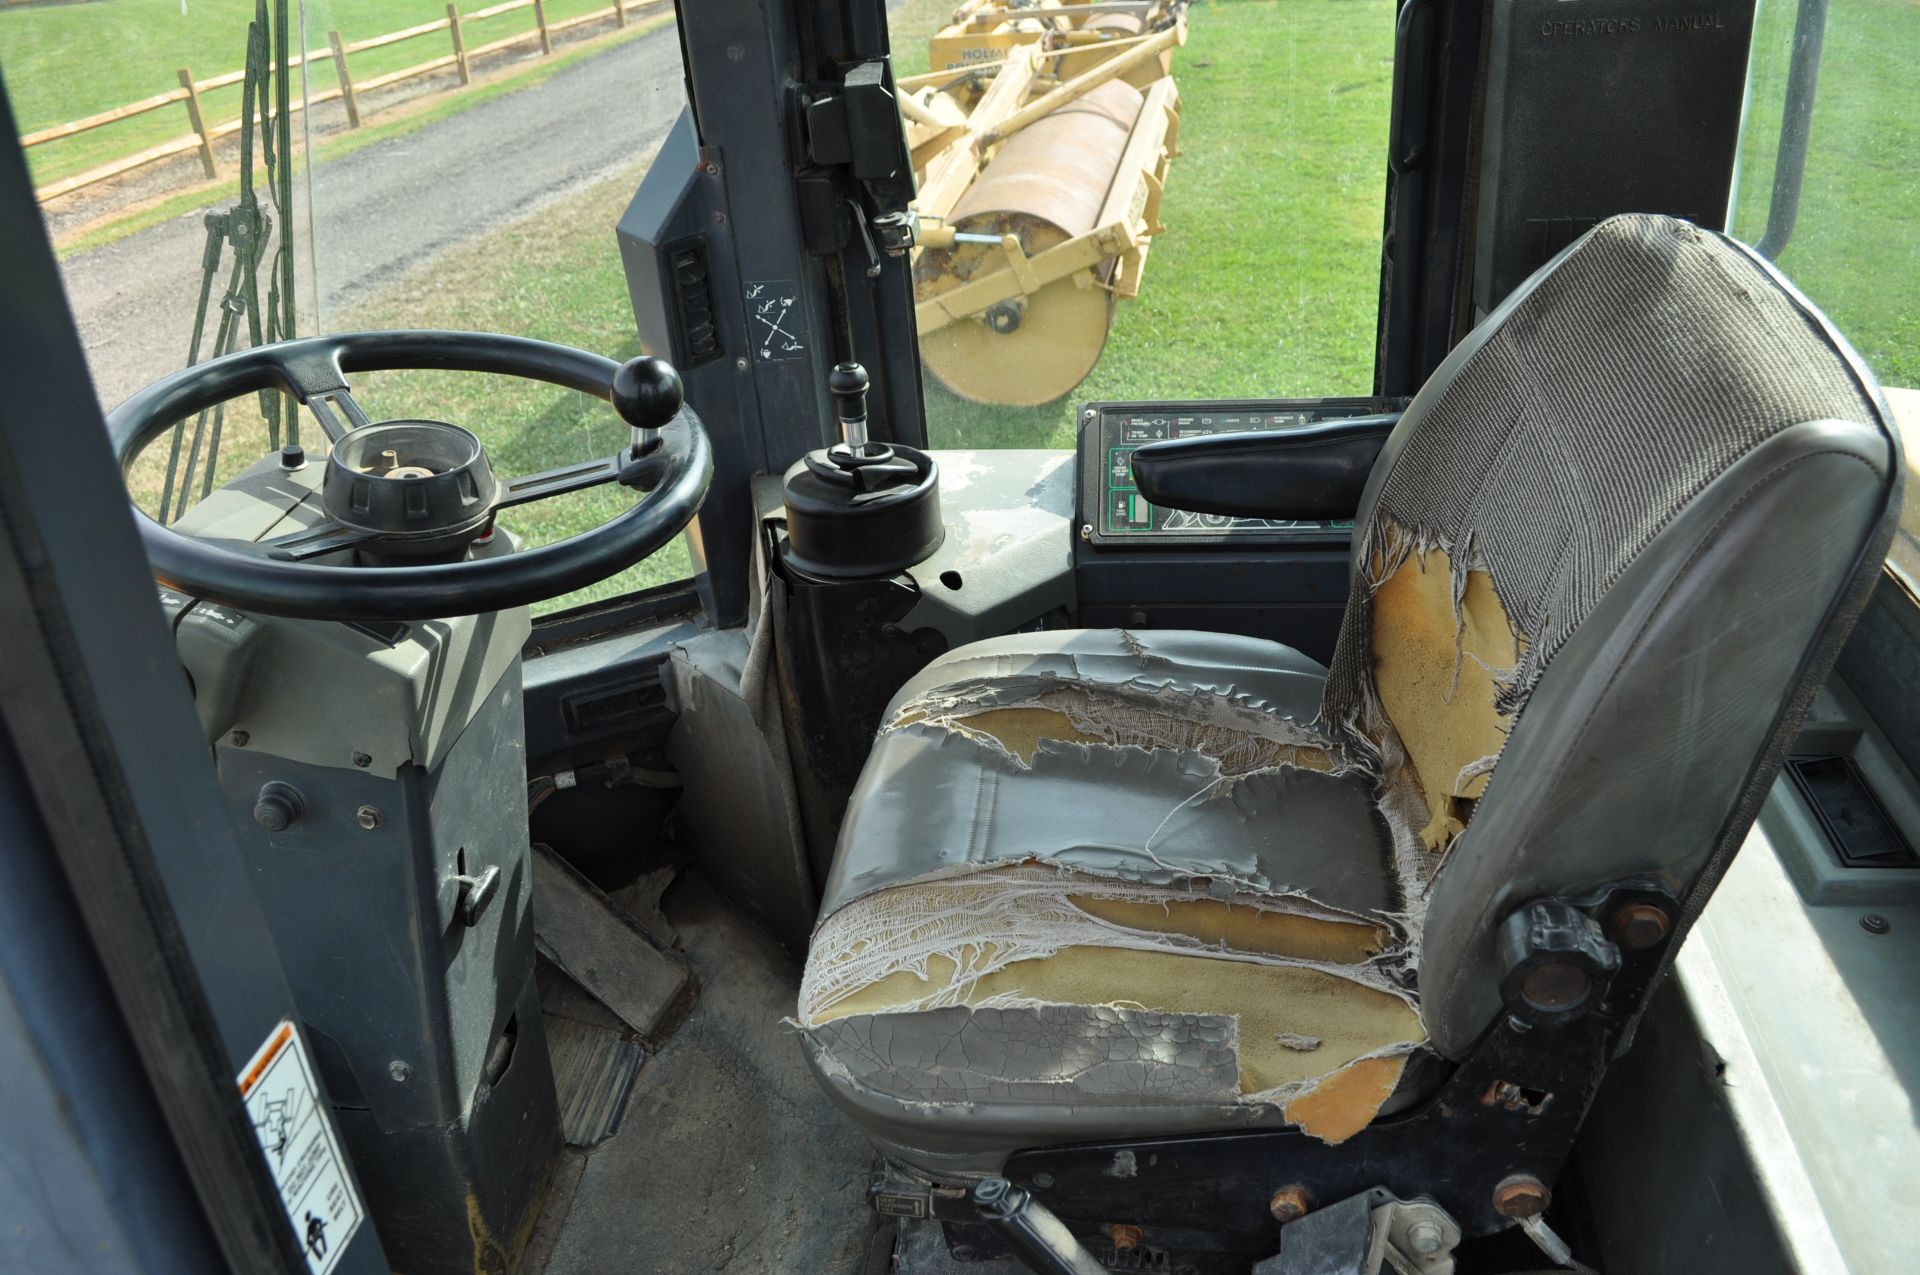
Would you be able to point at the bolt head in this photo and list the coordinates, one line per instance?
(1289, 1204)
(367, 817)
(1638, 926)
(400, 1070)
(239, 738)
(362, 760)
(1125, 1236)
(1426, 1238)
(1521, 1195)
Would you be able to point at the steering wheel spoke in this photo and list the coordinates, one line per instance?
(557, 481)
(324, 406)
(313, 542)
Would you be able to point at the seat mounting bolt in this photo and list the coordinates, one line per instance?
(1521, 1195)
(1289, 1204)
(1426, 1238)
(1638, 926)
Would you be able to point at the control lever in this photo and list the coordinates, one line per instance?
(1039, 1239)
(648, 394)
(849, 383)
(858, 461)
(860, 509)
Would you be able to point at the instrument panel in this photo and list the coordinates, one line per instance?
(1113, 512)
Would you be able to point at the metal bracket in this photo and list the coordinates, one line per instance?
(1366, 1234)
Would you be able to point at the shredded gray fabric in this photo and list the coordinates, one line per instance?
(1554, 492)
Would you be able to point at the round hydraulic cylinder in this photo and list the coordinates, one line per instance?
(1081, 58)
(1045, 185)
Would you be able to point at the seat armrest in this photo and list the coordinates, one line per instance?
(1312, 474)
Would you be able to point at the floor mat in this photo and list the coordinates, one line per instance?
(728, 1157)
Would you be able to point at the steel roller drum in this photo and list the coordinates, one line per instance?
(1046, 184)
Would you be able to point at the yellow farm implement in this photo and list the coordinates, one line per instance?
(1041, 161)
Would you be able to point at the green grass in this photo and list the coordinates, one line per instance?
(556, 277)
(66, 61)
(1855, 248)
(1266, 280)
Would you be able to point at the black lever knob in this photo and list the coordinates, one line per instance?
(647, 392)
(848, 384)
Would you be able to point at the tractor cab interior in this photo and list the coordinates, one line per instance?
(1464, 821)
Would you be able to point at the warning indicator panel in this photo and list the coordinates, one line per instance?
(283, 1101)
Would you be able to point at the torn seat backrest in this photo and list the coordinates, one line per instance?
(1602, 566)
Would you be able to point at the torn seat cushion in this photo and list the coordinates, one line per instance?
(1095, 884)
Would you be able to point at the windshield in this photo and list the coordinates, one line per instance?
(1202, 222)
(420, 164)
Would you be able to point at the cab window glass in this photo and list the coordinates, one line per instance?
(470, 180)
(1846, 232)
(1827, 185)
(1262, 273)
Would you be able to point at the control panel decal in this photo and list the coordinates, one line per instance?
(775, 320)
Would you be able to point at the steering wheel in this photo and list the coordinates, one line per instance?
(422, 489)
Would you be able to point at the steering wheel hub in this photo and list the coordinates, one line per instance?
(417, 487)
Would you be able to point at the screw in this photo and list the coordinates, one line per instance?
(740, 364)
(400, 1070)
(719, 218)
(367, 817)
(1088, 415)
(1086, 531)
(1638, 926)
(1125, 1236)
(362, 760)
(239, 738)
(1043, 1180)
(1874, 923)
(712, 169)
(1426, 1238)
(1521, 1195)
(1289, 1204)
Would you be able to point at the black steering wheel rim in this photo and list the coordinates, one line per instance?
(316, 368)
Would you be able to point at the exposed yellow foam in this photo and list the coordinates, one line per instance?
(1420, 645)
(1243, 928)
(1346, 1102)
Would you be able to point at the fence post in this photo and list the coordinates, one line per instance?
(199, 122)
(346, 80)
(620, 13)
(459, 44)
(540, 16)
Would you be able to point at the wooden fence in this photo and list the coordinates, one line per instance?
(203, 135)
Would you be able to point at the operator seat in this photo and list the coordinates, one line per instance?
(1110, 884)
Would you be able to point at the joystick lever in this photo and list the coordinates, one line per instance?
(647, 393)
(849, 383)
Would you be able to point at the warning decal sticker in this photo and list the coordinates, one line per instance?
(283, 1101)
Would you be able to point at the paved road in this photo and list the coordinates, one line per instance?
(393, 205)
